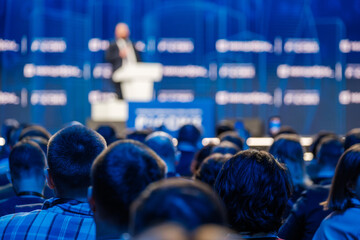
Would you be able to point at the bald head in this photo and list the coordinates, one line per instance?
(122, 31)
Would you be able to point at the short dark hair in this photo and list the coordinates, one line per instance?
(352, 137)
(210, 168)
(71, 151)
(200, 156)
(347, 172)
(255, 189)
(185, 202)
(330, 150)
(161, 143)
(226, 147)
(138, 135)
(120, 173)
(232, 136)
(26, 157)
(189, 133)
(34, 131)
(224, 126)
(108, 132)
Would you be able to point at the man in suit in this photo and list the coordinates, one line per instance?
(121, 52)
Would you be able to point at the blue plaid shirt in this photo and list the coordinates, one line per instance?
(58, 219)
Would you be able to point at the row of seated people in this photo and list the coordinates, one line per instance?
(105, 188)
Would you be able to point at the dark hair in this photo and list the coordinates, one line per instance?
(288, 150)
(352, 137)
(34, 131)
(108, 133)
(185, 202)
(226, 147)
(224, 126)
(138, 135)
(347, 172)
(120, 173)
(42, 142)
(210, 168)
(285, 130)
(6, 128)
(189, 133)
(330, 150)
(161, 143)
(200, 156)
(26, 158)
(255, 189)
(232, 136)
(71, 151)
(317, 139)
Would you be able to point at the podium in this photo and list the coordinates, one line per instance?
(137, 80)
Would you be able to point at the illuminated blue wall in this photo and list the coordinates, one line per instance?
(255, 58)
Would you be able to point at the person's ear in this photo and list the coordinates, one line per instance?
(350, 186)
(91, 199)
(49, 179)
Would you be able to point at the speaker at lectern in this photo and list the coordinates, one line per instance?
(137, 80)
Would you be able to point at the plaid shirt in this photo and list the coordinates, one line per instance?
(58, 219)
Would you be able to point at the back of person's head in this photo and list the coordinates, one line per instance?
(71, 151)
(108, 132)
(34, 131)
(42, 142)
(162, 144)
(232, 136)
(189, 133)
(138, 135)
(15, 134)
(346, 182)
(226, 147)
(210, 168)
(317, 139)
(27, 160)
(119, 175)
(185, 202)
(200, 156)
(288, 150)
(224, 126)
(329, 151)
(255, 189)
(352, 137)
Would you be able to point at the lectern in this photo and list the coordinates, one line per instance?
(137, 80)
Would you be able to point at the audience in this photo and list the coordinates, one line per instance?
(255, 189)
(118, 176)
(71, 152)
(185, 202)
(189, 137)
(110, 193)
(27, 163)
(162, 144)
(210, 168)
(344, 199)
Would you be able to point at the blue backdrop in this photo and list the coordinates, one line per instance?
(299, 59)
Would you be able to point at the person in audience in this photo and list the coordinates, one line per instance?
(138, 135)
(224, 126)
(163, 145)
(118, 176)
(6, 128)
(211, 167)
(34, 131)
(108, 132)
(200, 156)
(27, 163)
(232, 136)
(255, 189)
(285, 130)
(71, 152)
(226, 147)
(352, 138)
(344, 199)
(181, 201)
(189, 137)
(330, 150)
(287, 149)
